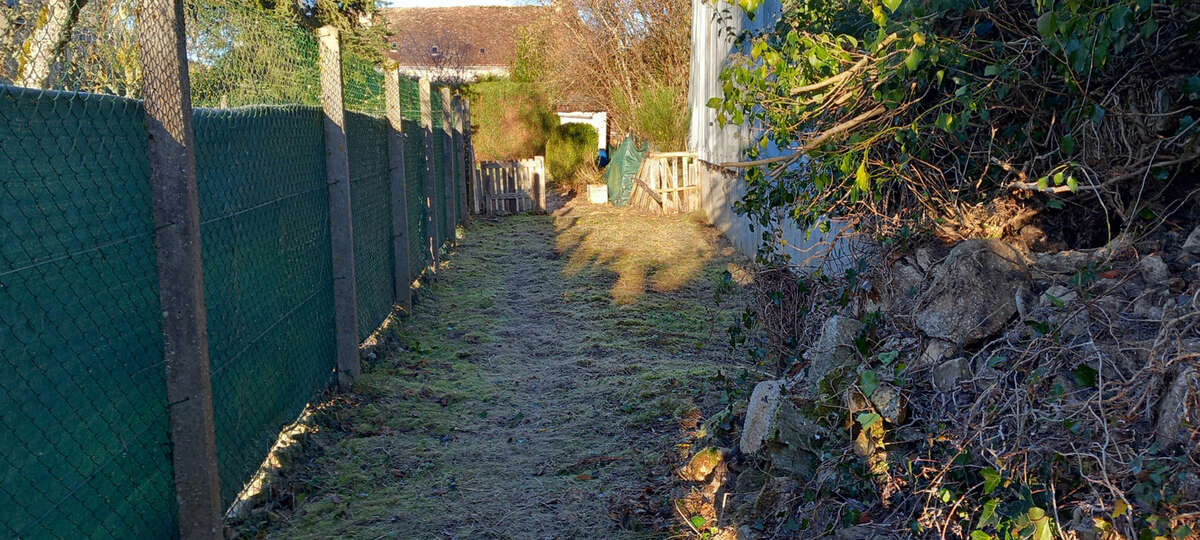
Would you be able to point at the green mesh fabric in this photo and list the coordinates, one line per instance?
(83, 403)
(84, 406)
(370, 200)
(264, 209)
(414, 167)
(362, 85)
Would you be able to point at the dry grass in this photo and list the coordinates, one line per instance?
(647, 253)
(534, 392)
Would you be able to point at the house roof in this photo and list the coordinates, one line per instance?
(465, 36)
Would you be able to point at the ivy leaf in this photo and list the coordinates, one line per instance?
(887, 357)
(892, 5)
(1084, 375)
(980, 535)
(988, 513)
(698, 521)
(1058, 178)
(1119, 508)
(1068, 144)
(1043, 182)
(1072, 183)
(862, 179)
(714, 103)
(913, 61)
(867, 420)
(868, 382)
(991, 479)
(1046, 24)
(1041, 524)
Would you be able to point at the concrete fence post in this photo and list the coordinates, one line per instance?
(341, 224)
(431, 209)
(448, 167)
(172, 159)
(401, 269)
(460, 157)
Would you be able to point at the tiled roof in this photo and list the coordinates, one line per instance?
(471, 36)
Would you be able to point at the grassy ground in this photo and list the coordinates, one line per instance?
(543, 387)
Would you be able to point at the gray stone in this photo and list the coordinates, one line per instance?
(901, 289)
(1062, 262)
(924, 259)
(973, 292)
(1058, 292)
(935, 351)
(703, 464)
(1154, 270)
(1172, 409)
(833, 349)
(1192, 244)
(947, 375)
(890, 404)
(760, 415)
(797, 443)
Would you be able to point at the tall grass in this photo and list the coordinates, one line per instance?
(659, 115)
(514, 120)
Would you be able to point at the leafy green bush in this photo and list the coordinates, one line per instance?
(570, 148)
(920, 114)
(513, 119)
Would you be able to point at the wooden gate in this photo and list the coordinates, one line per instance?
(510, 187)
(667, 182)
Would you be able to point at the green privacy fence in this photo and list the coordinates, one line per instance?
(83, 404)
(87, 449)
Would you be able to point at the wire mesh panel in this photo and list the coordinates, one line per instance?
(363, 85)
(267, 270)
(370, 194)
(83, 406)
(414, 166)
(241, 53)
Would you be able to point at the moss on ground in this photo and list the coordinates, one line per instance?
(538, 389)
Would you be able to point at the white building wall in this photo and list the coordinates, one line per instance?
(598, 120)
(716, 25)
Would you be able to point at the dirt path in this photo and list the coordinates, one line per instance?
(541, 389)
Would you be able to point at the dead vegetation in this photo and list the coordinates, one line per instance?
(1076, 417)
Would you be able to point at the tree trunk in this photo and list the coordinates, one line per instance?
(53, 28)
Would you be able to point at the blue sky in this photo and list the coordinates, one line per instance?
(451, 3)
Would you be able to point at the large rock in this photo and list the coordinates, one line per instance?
(833, 349)
(760, 415)
(798, 443)
(1172, 427)
(1192, 244)
(972, 295)
(1154, 270)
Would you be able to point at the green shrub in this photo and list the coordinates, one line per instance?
(570, 148)
(513, 120)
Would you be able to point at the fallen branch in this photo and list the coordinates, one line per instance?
(828, 134)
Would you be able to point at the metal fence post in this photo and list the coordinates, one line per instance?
(341, 225)
(401, 271)
(448, 165)
(172, 158)
(427, 140)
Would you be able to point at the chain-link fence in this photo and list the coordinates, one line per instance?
(88, 449)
